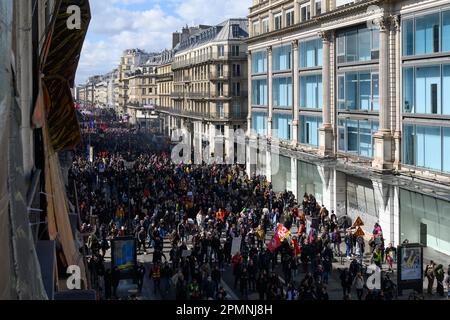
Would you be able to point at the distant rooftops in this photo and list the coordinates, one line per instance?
(231, 29)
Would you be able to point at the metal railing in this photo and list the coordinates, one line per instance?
(209, 57)
(205, 115)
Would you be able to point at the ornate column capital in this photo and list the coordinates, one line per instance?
(395, 22)
(325, 35)
(269, 49)
(294, 44)
(383, 23)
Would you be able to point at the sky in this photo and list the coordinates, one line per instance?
(117, 25)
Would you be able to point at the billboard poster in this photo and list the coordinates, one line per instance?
(123, 255)
(411, 264)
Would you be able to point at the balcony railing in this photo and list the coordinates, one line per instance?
(204, 115)
(209, 57)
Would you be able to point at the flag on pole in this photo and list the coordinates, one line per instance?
(280, 234)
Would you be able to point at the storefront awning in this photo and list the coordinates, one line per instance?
(59, 61)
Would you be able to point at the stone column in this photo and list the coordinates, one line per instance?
(250, 96)
(326, 131)
(399, 104)
(297, 11)
(294, 174)
(295, 84)
(312, 4)
(388, 218)
(325, 6)
(270, 91)
(383, 138)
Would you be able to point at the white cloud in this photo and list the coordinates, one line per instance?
(117, 25)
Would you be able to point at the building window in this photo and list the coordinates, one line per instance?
(426, 146)
(282, 126)
(220, 89)
(259, 123)
(358, 44)
(235, 51)
(236, 30)
(426, 34)
(318, 7)
(446, 31)
(236, 70)
(422, 90)
(358, 91)
(282, 58)
(220, 70)
(150, 90)
(236, 108)
(236, 89)
(311, 53)
(265, 25)
(282, 92)
(221, 50)
(144, 91)
(311, 93)
(259, 62)
(277, 21)
(357, 136)
(305, 12)
(256, 28)
(259, 93)
(220, 111)
(309, 130)
(290, 18)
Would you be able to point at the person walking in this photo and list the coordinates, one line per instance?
(439, 273)
(358, 284)
(155, 275)
(430, 275)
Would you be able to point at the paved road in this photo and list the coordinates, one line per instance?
(127, 288)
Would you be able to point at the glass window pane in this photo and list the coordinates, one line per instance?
(446, 89)
(319, 92)
(341, 92)
(352, 134)
(342, 139)
(427, 34)
(408, 144)
(408, 37)
(408, 90)
(364, 44)
(375, 92)
(351, 89)
(446, 31)
(364, 91)
(446, 151)
(428, 90)
(433, 148)
(319, 53)
(365, 138)
(351, 46)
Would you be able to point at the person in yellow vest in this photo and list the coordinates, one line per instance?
(260, 235)
(377, 257)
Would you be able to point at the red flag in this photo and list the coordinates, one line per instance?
(279, 236)
(274, 243)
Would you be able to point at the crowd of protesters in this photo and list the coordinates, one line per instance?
(134, 189)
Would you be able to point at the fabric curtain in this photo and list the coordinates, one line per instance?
(59, 227)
